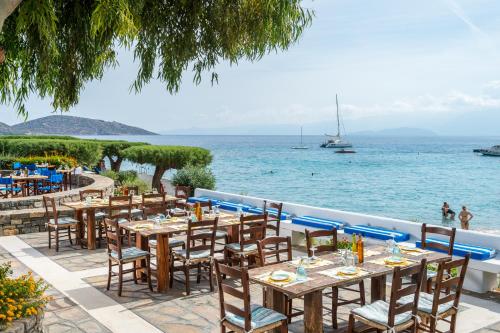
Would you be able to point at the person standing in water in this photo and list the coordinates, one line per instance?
(446, 210)
(465, 217)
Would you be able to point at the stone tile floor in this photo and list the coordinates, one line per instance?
(176, 312)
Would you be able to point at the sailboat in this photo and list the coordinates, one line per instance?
(335, 141)
(301, 145)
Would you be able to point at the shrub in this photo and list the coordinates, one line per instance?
(20, 297)
(141, 184)
(126, 176)
(56, 160)
(194, 177)
(167, 157)
(110, 174)
(84, 151)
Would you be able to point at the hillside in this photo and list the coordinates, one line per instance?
(70, 125)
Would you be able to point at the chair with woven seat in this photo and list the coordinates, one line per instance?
(240, 315)
(99, 215)
(252, 228)
(152, 205)
(56, 223)
(431, 244)
(392, 316)
(198, 254)
(445, 298)
(273, 210)
(182, 195)
(118, 256)
(120, 210)
(221, 232)
(331, 236)
(274, 250)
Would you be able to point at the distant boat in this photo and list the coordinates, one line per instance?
(301, 145)
(335, 141)
(345, 151)
(493, 151)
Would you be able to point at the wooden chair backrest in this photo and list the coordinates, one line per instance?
(114, 236)
(182, 192)
(252, 229)
(119, 203)
(273, 216)
(201, 236)
(94, 193)
(448, 287)
(206, 204)
(450, 233)
(153, 204)
(226, 287)
(398, 290)
(311, 237)
(271, 250)
(50, 208)
(134, 188)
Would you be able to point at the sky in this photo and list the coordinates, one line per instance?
(432, 64)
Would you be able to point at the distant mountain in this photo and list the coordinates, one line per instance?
(70, 125)
(400, 131)
(5, 129)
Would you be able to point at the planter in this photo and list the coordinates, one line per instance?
(31, 324)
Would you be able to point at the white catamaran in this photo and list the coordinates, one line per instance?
(335, 141)
(301, 145)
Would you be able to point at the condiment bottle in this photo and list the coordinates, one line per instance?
(361, 250)
(354, 247)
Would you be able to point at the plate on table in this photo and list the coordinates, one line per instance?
(143, 226)
(410, 249)
(395, 260)
(348, 271)
(280, 276)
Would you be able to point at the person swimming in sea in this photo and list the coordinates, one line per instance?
(447, 211)
(465, 217)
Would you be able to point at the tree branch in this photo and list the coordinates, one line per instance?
(7, 7)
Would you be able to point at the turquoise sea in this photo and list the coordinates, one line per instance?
(400, 177)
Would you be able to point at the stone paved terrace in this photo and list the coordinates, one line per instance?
(82, 304)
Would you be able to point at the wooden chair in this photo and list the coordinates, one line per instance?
(274, 250)
(445, 299)
(99, 216)
(118, 256)
(57, 223)
(240, 315)
(221, 232)
(134, 189)
(199, 253)
(182, 193)
(393, 316)
(311, 236)
(252, 228)
(274, 216)
(120, 210)
(429, 244)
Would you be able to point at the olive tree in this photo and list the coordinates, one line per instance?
(164, 158)
(52, 48)
(113, 151)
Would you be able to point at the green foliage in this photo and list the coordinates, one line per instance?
(141, 184)
(127, 178)
(54, 47)
(110, 174)
(85, 152)
(36, 137)
(194, 177)
(56, 160)
(168, 157)
(113, 150)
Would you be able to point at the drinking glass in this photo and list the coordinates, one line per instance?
(313, 250)
(350, 259)
(301, 273)
(211, 214)
(217, 211)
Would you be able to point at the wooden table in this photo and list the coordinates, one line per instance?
(312, 290)
(162, 232)
(100, 204)
(32, 178)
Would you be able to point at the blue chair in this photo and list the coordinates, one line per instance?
(318, 223)
(9, 187)
(377, 232)
(16, 165)
(31, 167)
(53, 184)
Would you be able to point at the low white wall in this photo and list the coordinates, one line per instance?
(483, 274)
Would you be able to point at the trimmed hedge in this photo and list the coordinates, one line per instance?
(194, 177)
(167, 157)
(56, 160)
(85, 152)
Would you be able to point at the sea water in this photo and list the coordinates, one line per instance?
(399, 177)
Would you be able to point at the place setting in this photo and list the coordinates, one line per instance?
(348, 270)
(282, 279)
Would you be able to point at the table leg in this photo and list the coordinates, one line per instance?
(162, 263)
(313, 312)
(81, 229)
(276, 301)
(141, 242)
(378, 285)
(91, 244)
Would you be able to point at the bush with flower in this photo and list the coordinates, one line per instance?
(20, 297)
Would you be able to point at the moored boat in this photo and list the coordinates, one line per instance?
(493, 151)
(336, 141)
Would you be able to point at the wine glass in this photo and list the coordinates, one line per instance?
(313, 250)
